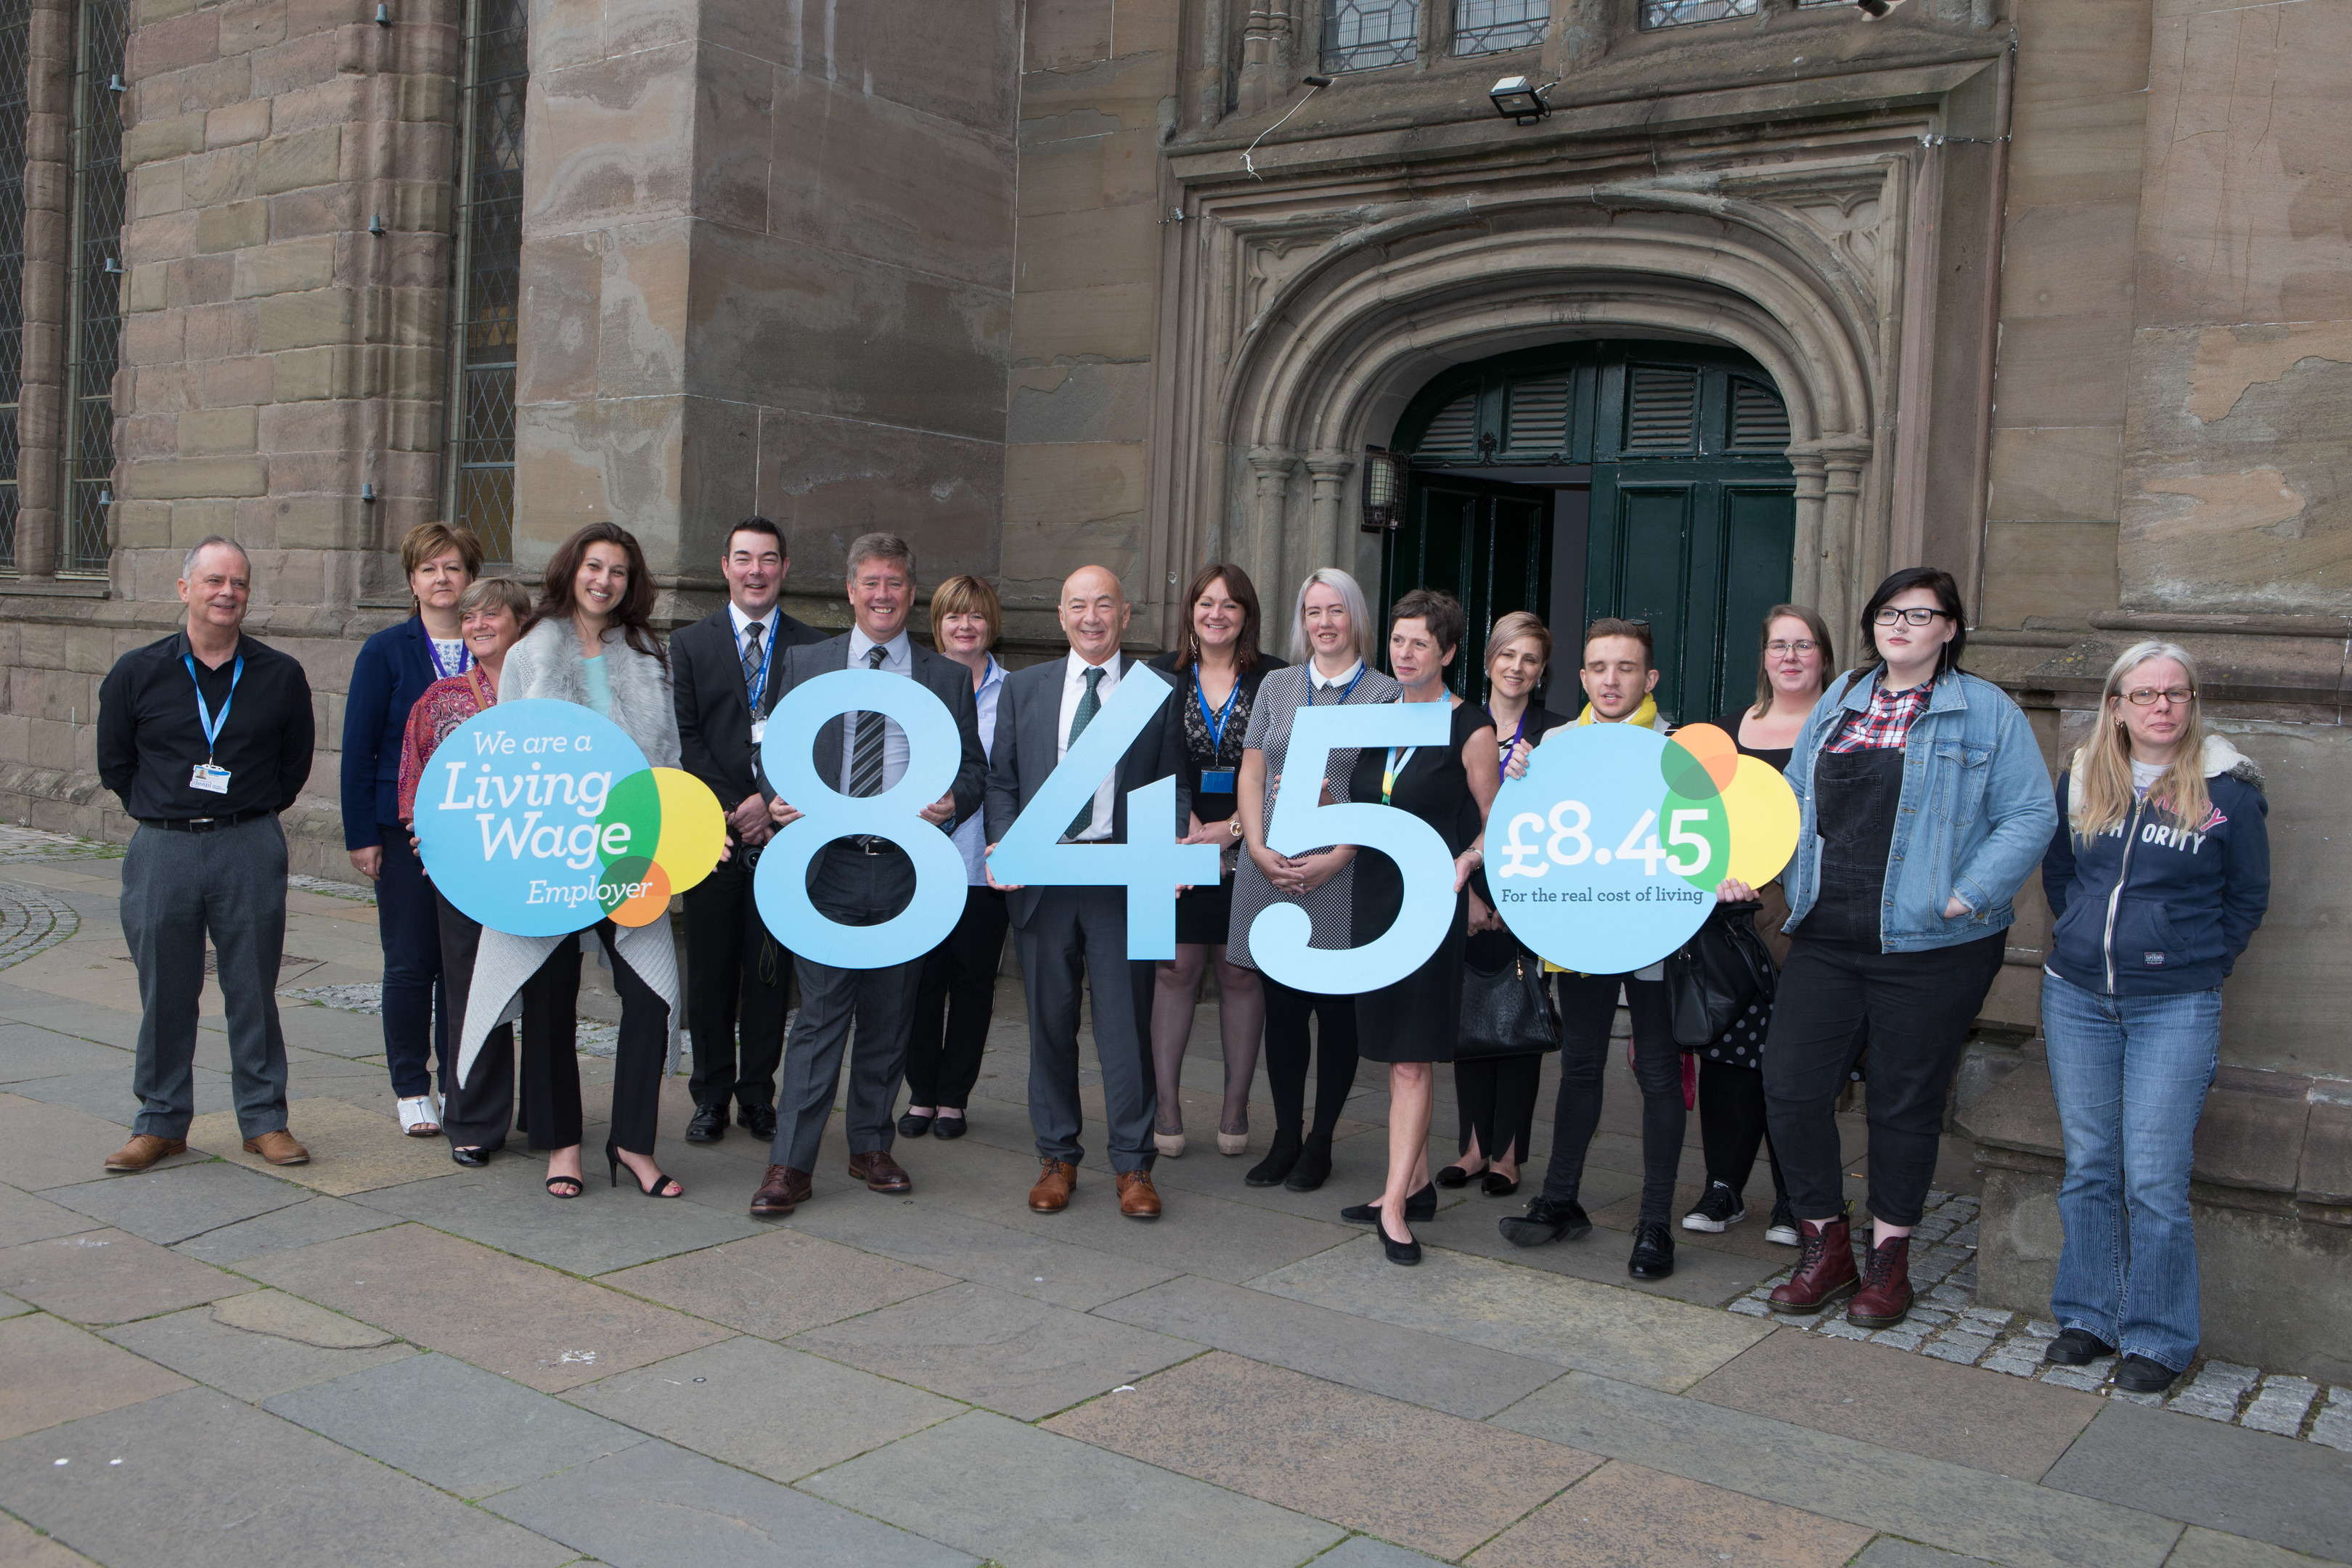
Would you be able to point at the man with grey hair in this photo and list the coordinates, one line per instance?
(861, 881)
(206, 736)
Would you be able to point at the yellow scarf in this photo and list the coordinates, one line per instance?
(1646, 715)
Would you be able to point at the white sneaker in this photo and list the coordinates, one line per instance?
(420, 1118)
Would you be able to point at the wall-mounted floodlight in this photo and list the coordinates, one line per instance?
(1875, 9)
(1520, 102)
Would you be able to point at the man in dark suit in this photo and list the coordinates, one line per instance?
(723, 668)
(862, 882)
(1076, 937)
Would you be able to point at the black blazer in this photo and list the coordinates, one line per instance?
(1028, 749)
(948, 681)
(714, 704)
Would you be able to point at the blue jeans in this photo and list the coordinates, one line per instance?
(2130, 1075)
(416, 1017)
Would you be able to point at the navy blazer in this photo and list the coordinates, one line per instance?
(392, 670)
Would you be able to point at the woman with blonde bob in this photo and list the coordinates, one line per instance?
(2157, 877)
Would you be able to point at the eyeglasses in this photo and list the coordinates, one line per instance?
(2179, 695)
(1909, 617)
(1782, 650)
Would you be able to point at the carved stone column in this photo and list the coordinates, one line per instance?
(1330, 542)
(1265, 555)
(1256, 88)
(1810, 554)
(1852, 564)
(48, 184)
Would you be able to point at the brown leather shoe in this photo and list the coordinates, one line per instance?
(1825, 1270)
(279, 1148)
(1886, 1297)
(1052, 1192)
(1138, 1199)
(880, 1173)
(144, 1150)
(781, 1191)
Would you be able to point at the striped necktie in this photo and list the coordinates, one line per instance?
(865, 751)
(1089, 704)
(752, 637)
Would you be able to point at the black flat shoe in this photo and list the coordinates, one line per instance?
(1545, 1221)
(947, 1127)
(913, 1126)
(758, 1120)
(2137, 1374)
(1453, 1176)
(1314, 1167)
(472, 1159)
(708, 1124)
(1270, 1171)
(2076, 1347)
(1403, 1252)
(1498, 1186)
(1653, 1250)
(1418, 1206)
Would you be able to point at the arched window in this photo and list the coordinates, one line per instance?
(1490, 27)
(16, 26)
(486, 296)
(1364, 35)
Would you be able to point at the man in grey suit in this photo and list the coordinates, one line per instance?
(862, 882)
(1076, 937)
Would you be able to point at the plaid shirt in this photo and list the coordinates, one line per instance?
(1888, 721)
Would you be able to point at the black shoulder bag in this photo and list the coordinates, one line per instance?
(1507, 1011)
(1712, 978)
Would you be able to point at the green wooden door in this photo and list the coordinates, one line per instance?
(1488, 544)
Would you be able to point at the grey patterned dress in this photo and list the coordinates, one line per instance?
(1279, 698)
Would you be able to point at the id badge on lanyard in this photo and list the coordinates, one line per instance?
(206, 776)
(1216, 780)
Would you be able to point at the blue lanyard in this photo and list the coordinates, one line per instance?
(1362, 669)
(1216, 722)
(205, 719)
(1522, 729)
(767, 657)
(433, 652)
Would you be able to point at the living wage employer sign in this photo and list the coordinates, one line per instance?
(540, 819)
(1605, 857)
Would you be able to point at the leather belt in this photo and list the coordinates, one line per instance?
(867, 844)
(201, 823)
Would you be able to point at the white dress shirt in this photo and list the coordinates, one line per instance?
(1073, 687)
(971, 835)
(898, 659)
(767, 625)
(1323, 690)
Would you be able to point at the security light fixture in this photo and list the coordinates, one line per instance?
(1875, 9)
(1384, 486)
(1518, 102)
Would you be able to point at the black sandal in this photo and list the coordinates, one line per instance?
(613, 1156)
(577, 1185)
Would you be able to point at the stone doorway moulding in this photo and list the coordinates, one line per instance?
(1307, 320)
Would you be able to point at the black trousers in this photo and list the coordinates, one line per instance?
(1497, 1100)
(1919, 1008)
(1731, 1125)
(952, 1004)
(1588, 1004)
(477, 1112)
(737, 979)
(1287, 1045)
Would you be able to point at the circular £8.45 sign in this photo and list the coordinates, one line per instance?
(1605, 857)
(540, 819)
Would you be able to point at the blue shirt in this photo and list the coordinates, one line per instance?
(598, 684)
(971, 834)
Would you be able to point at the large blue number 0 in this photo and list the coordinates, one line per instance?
(933, 750)
(1151, 865)
(1278, 940)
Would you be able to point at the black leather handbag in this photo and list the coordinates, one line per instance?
(1712, 978)
(1507, 1011)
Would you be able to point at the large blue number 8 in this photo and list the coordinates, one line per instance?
(933, 752)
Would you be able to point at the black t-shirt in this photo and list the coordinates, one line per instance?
(1777, 755)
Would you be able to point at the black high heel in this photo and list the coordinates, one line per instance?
(613, 1158)
(574, 1183)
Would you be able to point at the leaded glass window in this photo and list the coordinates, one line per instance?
(1490, 27)
(1681, 13)
(1364, 35)
(16, 20)
(94, 343)
(489, 282)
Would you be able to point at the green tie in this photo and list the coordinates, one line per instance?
(1088, 706)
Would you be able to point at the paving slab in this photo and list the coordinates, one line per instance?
(55, 1145)
(1018, 1494)
(352, 1150)
(106, 1094)
(761, 1407)
(507, 1206)
(1952, 1506)
(455, 1426)
(1404, 1363)
(984, 1346)
(115, 1026)
(980, 1250)
(181, 1201)
(1336, 1453)
(333, 1032)
(12, 1308)
(2297, 1495)
(1363, 1551)
(24, 1217)
(109, 1277)
(1744, 1239)
(1629, 1515)
(1887, 1551)
(251, 1363)
(2010, 1426)
(1706, 1277)
(28, 1051)
(22, 1546)
(778, 1284)
(1650, 1339)
(657, 1506)
(516, 1318)
(297, 1225)
(2202, 1548)
(51, 1372)
(201, 1470)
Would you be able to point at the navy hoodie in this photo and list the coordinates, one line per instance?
(2188, 901)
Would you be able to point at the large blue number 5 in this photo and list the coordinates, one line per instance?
(780, 884)
(1279, 939)
(1151, 865)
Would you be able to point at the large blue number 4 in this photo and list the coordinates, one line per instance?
(1278, 940)
(1150, 865)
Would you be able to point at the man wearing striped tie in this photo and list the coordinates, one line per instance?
(861, 881)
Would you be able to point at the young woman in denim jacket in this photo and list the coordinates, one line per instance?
(2157, 878)
(1924, 804)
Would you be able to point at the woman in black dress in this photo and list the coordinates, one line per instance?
(1411, 1023)
(1215, 668)
(1496, 1095)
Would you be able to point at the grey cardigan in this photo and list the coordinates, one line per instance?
(547, 663)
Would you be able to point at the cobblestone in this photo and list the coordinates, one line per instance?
(2281, 1406)
(31, 921)
(2333, 1425)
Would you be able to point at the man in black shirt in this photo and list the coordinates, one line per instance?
(207, 737)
